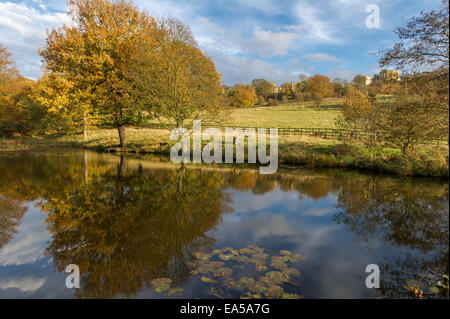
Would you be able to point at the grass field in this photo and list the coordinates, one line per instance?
(292, 114)
(287, 115)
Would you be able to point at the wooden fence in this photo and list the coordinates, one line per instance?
(305, 131)
(327, 133)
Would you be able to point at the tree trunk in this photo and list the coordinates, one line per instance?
(121, 130)
(85, 127)
(121, 167)
(86, 171)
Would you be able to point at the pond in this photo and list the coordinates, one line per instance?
(142, 227)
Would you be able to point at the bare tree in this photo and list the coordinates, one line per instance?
(423, 43)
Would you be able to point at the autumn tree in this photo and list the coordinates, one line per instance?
(177, 79)
(287, 90)
(92, 56)
(263, 88)
(242, 95)
(302, 86)
(319, 86)
(422, 52)
(359, 81)
(18, 111)
(8, 69)
(359, 120)
(8, 72)
(406, 122)
(338, 88)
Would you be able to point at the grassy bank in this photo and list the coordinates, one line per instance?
(427, 160)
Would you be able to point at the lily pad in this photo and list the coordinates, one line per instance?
(216, 291)
(260, 256)
(282, 259)
(260, 268)
(245, 251)
(291, 271)
(215, 264)
(278, 265)
(273, 291)
(209, 280)
(277, 277)
(265, 280)
(192, 264)
(256, 249)
(175, 291)
(250, 296)
(226, 256)
(161, 284)
(223, 272)
(284, 252)
(202, 256)
(231, 250)
(296, 257)
(242, 259)
(230, 283)
(204, 269)
(257, 287)
(245, 282)
(252, 249)
(257, 261)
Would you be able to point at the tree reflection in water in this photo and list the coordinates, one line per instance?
(126, 230)
(410, 214)
(126, 223)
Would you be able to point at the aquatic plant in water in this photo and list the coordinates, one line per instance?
(230, 271)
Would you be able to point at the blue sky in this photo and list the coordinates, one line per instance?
(247, 39)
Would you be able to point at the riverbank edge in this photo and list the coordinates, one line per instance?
(293, 154)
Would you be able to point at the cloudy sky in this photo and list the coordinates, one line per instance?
(272, 39)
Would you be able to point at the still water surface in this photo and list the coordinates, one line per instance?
(142, 227)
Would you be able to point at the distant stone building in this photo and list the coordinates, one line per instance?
(368, 80)
(276, 90)
(388, 75)
(294, 86)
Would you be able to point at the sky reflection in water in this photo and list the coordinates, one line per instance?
(127, 221)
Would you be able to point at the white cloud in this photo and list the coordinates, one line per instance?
(267, 43)
(30, 241)
(241, 69)
(211, 37)
(22, 31)
(263, 43)
(25, 284)
(318, 211)
(321, 57)
(317, 28)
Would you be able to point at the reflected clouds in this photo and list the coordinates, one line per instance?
(129, 220)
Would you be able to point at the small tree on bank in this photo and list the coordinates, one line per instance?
(242, 95)
(177, 79)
